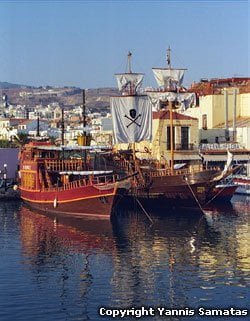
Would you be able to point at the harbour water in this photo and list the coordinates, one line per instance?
(64, 269)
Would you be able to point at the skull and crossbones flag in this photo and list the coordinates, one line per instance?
(132, 118)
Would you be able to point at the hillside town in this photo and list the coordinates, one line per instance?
(218, 118)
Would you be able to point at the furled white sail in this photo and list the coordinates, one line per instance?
(184, 99)
(129, 81)
(227, 166)
(168, 77)
(132, 118)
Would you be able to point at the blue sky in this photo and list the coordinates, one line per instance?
(83, 43)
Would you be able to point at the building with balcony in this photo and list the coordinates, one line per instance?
(223, 110)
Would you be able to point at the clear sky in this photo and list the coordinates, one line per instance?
(83, 43)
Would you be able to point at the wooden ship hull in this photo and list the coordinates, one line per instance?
(190, 187)
(178, 190)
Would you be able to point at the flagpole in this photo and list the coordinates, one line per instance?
(134, 152)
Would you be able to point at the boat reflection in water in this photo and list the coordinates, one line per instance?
(176, 261)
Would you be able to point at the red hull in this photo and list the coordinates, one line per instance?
(55, 181)
(82, 201)
(222, 193)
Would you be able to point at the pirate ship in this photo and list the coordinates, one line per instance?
(58, 180)
(166, 183)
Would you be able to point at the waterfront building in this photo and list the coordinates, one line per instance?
(223, 110)
(185, 137)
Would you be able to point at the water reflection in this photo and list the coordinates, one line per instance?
(181, 260)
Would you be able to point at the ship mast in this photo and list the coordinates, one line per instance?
(131, 92)
(129, 62)
(84, 126)
(169, 57)
(171, 118)
(62, 126)
(131, 86)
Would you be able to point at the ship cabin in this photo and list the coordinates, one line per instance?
(46, 166)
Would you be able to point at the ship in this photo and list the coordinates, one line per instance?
(159, 183)
(59, 180)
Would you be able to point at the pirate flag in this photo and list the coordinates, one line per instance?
(132, 118)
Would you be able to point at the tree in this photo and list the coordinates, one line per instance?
(20, 139)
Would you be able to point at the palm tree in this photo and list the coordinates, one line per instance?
(20, 139)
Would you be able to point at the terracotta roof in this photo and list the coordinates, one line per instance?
(164, 114)
(214, 86)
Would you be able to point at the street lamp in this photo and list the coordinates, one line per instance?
(5, 176)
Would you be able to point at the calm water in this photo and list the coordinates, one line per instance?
(67, 269)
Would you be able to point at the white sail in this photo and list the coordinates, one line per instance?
(168, 77)
(184, 99)
(132, 118)
(129, 81)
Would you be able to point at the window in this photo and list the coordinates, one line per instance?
(168, 138)
(184, 138)
(204, 121)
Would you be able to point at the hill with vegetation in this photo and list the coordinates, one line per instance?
(97, 99)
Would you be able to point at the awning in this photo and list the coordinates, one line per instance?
(223, 158)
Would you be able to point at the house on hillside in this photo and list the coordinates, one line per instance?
(29, 126)
(8, 127)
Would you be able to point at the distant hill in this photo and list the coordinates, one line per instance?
(8, 85)
(97, 99)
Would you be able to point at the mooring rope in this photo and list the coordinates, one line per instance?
(196, 199)
(144, 211)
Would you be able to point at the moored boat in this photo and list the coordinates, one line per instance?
(243, 184)
(159, 183)
(56, 180)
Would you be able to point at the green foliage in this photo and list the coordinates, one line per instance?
(4, 143)
(20, 140)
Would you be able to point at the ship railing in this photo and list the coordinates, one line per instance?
(167, 172)
(99, 180)
(63, 165)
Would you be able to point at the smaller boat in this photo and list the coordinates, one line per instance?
(243, 181)
(243, 184)
(223, 192)
(62, 180)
